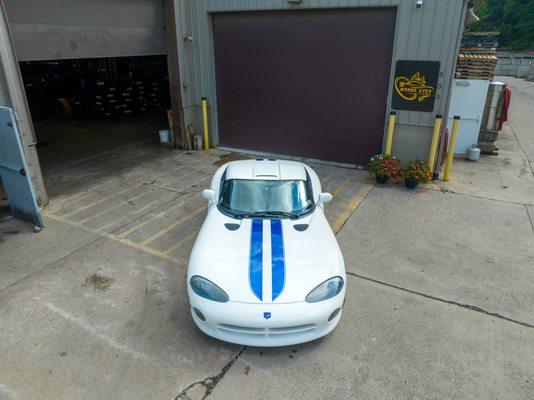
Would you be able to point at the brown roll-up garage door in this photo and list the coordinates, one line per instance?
(308, 83)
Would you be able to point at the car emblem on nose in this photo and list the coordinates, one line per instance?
(266, 315)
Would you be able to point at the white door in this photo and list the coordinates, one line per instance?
(14, 171)
(467, 100)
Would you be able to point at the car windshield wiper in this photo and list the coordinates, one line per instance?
(245, 215)
(260, 214)
(278, 214)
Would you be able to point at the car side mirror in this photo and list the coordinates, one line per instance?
(324, 198)
(209, 195)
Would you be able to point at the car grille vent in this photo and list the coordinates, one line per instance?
(286, 330)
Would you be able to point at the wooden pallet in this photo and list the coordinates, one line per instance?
(478, 66)
(478, 63)
(477, 57)
(478, 49)
(476, 70)
(474, 76)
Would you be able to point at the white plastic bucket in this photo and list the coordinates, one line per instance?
(164, 136)
(197, 142)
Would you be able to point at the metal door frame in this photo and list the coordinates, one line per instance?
(12, 95)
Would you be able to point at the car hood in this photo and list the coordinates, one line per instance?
(266, 260)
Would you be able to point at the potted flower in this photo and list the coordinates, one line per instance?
(415, 172)
(385, 168)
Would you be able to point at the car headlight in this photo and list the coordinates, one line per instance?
(325, 290)
(207, 289)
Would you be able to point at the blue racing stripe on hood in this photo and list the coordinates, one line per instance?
(256, 258)
(278, 258)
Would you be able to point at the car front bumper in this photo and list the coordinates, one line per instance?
(246, 324)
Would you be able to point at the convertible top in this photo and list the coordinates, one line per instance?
(266, 169)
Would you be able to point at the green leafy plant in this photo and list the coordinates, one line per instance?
(385, 166)
(512, 18)
(417, 171)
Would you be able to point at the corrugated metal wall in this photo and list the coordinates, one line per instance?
(427, 33)
(60, 29)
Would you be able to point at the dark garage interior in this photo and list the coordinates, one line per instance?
(95, 75)
(85, 107)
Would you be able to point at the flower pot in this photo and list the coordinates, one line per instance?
(381, 179)
(411, 183)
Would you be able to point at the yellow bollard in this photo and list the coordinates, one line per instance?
(391, 129)
(452, 146)
(204, 104)
(434, 144)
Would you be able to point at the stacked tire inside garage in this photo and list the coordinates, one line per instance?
(96, 89)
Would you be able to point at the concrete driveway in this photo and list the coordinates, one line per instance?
(439, 301)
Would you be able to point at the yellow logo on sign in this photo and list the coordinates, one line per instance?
(414, 88)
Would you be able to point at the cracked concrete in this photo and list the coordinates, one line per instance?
(530, 213)
(439, 288)
(103, 286)
(392, 345)
(454, 303)
(201, 389)
(456, 247)
(454, 266)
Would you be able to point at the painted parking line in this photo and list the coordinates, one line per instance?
(180, 242)
(351, 207)
(87, 327)
(121, 204)
(138, 226)
(172, 226)
(154, 216)
(338, 190)
(84, 194)
(58, 205)
(146, 249)
(166, 254)
(325, 180)
(193, 214)
(162, 232)
(181, 203)
(158, 271)
(100, 201)
(177, 178)
(104, 228)
(114, 237)
(117, 205)
(95, 190)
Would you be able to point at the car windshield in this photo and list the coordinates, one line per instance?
(265, 198)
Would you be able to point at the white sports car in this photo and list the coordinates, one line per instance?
(266, 269)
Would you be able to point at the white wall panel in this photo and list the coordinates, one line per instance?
(62, 29)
